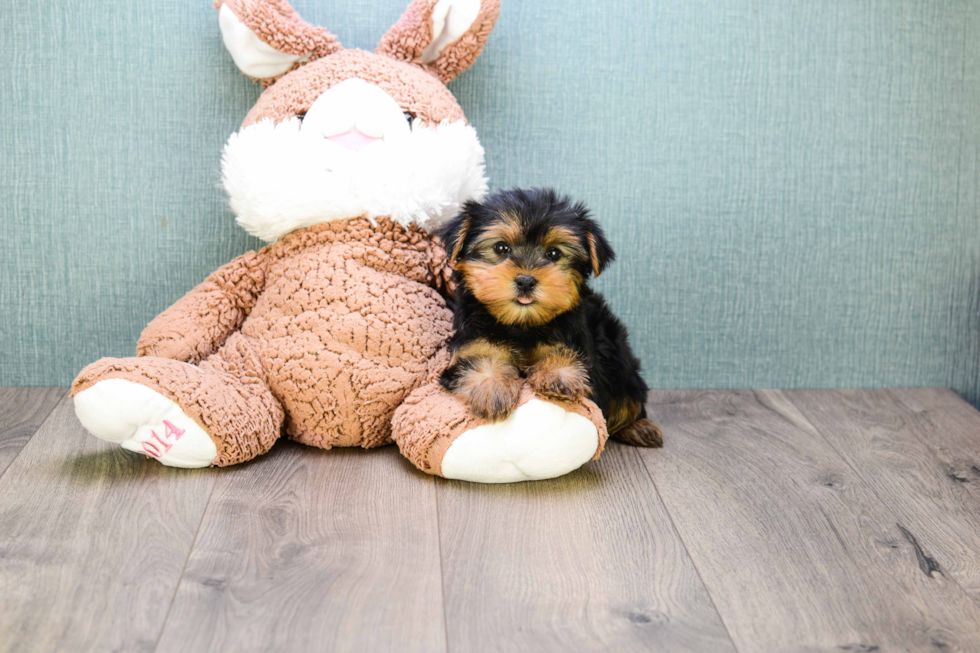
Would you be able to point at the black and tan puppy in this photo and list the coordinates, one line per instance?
(524, 309)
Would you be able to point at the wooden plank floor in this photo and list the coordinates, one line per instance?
(804, 520)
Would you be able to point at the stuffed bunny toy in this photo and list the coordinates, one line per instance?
(335, 333)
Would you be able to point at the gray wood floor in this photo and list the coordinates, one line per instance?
(771, 521)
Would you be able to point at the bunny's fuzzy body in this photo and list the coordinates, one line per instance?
(330, 328)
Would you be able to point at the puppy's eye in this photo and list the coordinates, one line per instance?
(409, 116)
(501, 248)
(552, 254)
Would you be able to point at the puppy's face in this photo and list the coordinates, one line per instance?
(525, 258)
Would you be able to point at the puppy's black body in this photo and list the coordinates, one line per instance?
(524, 309)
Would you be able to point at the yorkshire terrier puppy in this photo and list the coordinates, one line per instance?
(524, 309)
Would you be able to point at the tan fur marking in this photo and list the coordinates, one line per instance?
(460, 239)
(640, 433)
(507, 229)
(482, 348)
(556, 293)
(490, 388)
(557, 373)
(557, 290)
(593, 254)
(622, 413)
(560, 236)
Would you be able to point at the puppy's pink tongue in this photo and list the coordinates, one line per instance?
(525, 300)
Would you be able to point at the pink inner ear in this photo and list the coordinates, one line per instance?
(353, 140)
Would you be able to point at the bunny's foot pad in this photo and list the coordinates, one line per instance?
(539, 440)
(142, 420)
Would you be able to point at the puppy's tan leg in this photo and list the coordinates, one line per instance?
(641, 433)
(485, 377)
(557, 372)
(626, 425)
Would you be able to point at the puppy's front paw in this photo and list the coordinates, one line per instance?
(493, 399)
(489, 388)
(564, 382)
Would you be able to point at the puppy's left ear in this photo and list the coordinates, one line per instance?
(600, 251)
(453, 235)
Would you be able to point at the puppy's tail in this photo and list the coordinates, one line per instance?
(627, 422)
(640, 433)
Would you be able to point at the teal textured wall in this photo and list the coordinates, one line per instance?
(791, 185)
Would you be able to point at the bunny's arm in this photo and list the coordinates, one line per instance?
(199, 323)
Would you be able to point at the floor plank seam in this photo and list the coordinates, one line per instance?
(47, 416)
(687, 549)
(190, 551)
(442, 572)
(874, 491)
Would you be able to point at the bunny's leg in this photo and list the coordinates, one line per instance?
(540, 439)
(218, 413)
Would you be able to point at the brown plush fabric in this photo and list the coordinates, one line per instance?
(412, 34)
(227, 395)
(338, 323)
(414, 89)
(462, 53)
(278, 25)
(194, 327)
(430, 419)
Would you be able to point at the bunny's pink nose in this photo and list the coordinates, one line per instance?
(353, 140)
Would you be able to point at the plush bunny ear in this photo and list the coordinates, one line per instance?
(267, 38)
(443, 36)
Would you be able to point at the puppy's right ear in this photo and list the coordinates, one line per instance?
(453, 235)
(600, 251)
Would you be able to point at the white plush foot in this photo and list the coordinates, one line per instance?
(144, 421)
(539, 440)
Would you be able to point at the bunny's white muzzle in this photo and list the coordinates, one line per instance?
(355, 153)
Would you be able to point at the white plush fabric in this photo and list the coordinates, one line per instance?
(141, 420)
(355, 104)
(252, 55)
(286, 176)
(538, 440)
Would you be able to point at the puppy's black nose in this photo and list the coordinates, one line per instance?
(525, 283)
